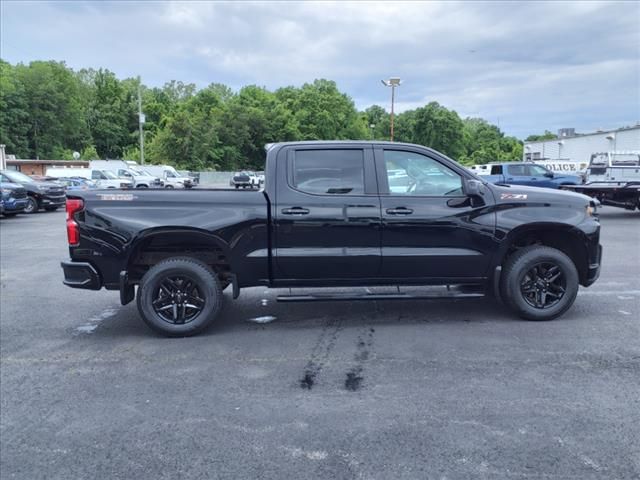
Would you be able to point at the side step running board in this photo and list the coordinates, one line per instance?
(338, 297)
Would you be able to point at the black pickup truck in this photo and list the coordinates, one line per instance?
(335, 214)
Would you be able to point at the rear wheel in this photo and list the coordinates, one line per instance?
(168, 186)
(142, 186)
(539, 283)
(31, 206)
(179, 297)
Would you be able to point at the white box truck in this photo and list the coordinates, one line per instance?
(171, 178)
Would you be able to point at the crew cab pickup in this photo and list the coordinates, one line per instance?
(529, 174)
(327, 217)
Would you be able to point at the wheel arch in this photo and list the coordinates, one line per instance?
(154, 245)
(566, 238)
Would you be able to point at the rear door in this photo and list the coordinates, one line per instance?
(431, 229)
(327, 216)
(517, 174)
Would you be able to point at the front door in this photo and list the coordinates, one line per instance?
(431, 229)
(327, 214)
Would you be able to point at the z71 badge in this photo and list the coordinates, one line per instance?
(513, 196)
(126, 197)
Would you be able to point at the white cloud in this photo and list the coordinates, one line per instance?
(533, 65)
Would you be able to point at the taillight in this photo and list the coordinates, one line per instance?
(73, 233)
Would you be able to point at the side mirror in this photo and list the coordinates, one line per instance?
(549, 174)
(473, 188)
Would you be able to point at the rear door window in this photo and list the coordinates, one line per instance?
(517, 170)
(329, 172)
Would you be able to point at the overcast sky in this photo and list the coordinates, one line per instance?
(525, 66)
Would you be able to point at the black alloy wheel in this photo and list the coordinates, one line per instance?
(179, 297)
(177, 300)
(539, 282)
(543, 285)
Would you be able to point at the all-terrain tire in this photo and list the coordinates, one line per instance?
(208, 289)
(516, 280)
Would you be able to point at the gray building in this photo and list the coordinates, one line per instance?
(575, 147)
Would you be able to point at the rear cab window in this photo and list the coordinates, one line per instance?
(329, 172)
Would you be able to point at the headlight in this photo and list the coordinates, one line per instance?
(42, 188)
(5, 191)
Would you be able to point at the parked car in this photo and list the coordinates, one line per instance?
(193, 176)
(530, 174)
(170, 176)
(47, 195)
(531, 247)
(244, 179)
(14, 198)
(102, 178)
(123, 169)
(77, 183)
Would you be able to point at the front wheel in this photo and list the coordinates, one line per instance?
(539, 283)
(168, 186)
(31, 206)
(142, 186)
(179, 297)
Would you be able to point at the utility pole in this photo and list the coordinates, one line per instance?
(141, 120)
(3, 158)
(393, 82)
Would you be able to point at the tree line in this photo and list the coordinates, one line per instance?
(48, 111)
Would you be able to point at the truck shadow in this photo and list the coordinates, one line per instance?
(257, 309)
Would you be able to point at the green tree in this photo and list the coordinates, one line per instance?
(380, 119)
(547, 135)
(56, 115)
(14, 112)
(112, 114)
(439, 128)
(322, 112)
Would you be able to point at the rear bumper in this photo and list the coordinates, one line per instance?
(81, 275)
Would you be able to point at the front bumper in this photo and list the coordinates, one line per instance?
(81, 275)
(50, 201)
(15, 205)
(593, 270)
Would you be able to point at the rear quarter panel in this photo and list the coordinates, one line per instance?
(113, 222)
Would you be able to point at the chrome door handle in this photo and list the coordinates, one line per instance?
(295, 211)
(399, 211)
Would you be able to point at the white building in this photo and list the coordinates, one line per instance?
(570, 147)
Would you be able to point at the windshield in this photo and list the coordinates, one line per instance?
(109, 174)
(137, 171)
(18, 177)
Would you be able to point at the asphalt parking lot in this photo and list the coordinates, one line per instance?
(428, 389)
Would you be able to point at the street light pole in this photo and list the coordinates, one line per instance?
(393, 82)
(141, 120)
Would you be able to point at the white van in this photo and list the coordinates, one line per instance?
(171, 178)
(124, 169)
(103, 179)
